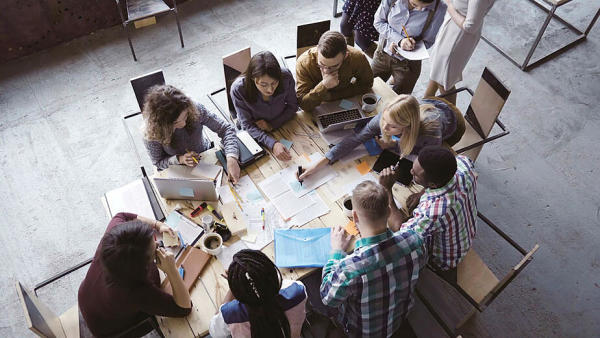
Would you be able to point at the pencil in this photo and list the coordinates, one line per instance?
(235, 196)
(193, 157)
(405, 32)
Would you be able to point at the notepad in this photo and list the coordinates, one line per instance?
(346, 104)
(302, 247)
(363, 167)
(351, 228)
(170, 240)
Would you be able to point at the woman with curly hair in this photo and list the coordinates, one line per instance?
(173, 130)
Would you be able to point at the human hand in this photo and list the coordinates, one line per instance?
(234, 169)
(331, 80)
(340, 239)
(313, 168)
(281, 152)
(188, 158)
(162, 228)
(387, 178)
(393, 47)
(264, 125)
(165, 260)
(385, 145)
(407, 44)
(413, 201)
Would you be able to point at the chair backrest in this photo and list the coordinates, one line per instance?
(234, 64)
(40, 319)
(308, 35)
(486, 104)
(141, 84)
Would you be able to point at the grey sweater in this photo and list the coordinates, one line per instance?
(444, 114)
(184, 140)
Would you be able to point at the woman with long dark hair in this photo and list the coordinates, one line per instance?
(122, 286)
(264, 97)
(260, 303)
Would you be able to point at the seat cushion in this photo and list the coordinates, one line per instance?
(469, 137)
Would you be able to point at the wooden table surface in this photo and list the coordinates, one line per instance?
(210, 289)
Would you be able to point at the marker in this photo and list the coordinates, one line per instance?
(198, 210)
(262, 214)
(214, 212)
(300, 171)
(181, 271)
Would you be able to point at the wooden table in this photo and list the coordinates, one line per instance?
(209, 291)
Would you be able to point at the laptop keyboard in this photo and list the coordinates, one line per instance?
(338, 117)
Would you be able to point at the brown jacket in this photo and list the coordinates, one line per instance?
(311, 92)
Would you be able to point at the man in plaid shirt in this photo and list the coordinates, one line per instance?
(372, 287)
(447, 210)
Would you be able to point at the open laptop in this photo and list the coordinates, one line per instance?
(186, 189)
(340, 115)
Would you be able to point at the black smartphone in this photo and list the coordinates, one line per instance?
(387, 159)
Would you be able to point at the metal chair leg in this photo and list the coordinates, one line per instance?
(179, 28)
(539, 37)
(126, 27)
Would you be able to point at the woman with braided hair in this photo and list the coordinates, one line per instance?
(260, 302)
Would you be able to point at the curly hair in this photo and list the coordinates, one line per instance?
(162, 106)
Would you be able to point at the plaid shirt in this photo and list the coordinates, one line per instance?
(446, 216)
(372, 287)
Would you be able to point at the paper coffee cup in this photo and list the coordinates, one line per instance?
(369, 102)
(212, 243)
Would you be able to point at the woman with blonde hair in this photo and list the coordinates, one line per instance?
(173, 126)
(405, 127)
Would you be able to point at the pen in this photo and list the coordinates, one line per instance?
(214, 212)
(262, 214)
(300, 171)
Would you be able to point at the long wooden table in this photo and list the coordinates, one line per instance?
(211, 288)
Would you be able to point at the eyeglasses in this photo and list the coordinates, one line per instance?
(334, 67)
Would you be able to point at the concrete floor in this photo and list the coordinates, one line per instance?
(62, 145)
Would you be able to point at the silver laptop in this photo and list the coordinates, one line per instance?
(186, 189)
(330, 116)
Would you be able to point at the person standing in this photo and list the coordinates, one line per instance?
(357, 24)
(421, 19)
(457, 40)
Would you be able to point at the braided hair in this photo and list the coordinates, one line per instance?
(255, 281)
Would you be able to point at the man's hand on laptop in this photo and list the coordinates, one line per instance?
(281, 152)
(330, 80)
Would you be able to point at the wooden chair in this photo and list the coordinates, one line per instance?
(307, 36)
(234, 65)
(135, 10)
(476, 283)
(142, 83)
(45, 323)
(554, 4)
(483, 111)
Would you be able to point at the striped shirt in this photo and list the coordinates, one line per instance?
(446, 216)
(372, 287)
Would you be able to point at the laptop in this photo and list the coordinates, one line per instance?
(196, 189)
(331, 116)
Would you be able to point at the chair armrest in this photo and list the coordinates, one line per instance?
(455, 91)
(62, 274)
(501, 233)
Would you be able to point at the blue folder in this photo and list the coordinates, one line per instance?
(302, 248)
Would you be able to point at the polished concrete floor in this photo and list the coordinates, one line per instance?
(62, 145)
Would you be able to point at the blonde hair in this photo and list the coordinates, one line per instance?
(405, 110)
(162, 106)
(371, 200)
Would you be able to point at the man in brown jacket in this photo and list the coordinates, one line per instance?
(331, 71)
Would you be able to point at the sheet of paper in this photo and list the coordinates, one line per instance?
(350, 186)
(317, 209)
(419, 53)
(310, 183)
(351, 228)
(225, 194)
(363, 167)
(206, 170)
(188, 229)
(131, 197)
(286, 143)
(226, 255)
(247, 191)
(273, 186)
(288, 204)
(346, 104)
(302, 247)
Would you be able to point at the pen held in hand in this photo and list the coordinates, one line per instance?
(300, 171)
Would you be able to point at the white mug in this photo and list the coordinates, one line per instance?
(211, 238)
(369, 102)
(347, 211)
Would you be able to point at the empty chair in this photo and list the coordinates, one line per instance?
(483, 111)
(135, 10)
(141, 84)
